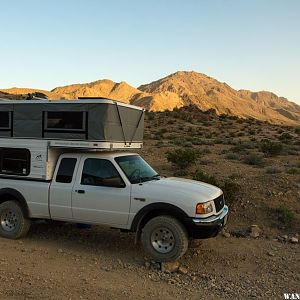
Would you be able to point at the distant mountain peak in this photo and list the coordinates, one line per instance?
(184, 88)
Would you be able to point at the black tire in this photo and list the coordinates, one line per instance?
(13, 222)
(164, 238)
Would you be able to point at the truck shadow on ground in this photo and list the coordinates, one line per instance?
(95, 240)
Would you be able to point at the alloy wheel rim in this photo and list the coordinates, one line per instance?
(9, 220)
(162, 240)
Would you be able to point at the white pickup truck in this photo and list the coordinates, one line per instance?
(118, 190)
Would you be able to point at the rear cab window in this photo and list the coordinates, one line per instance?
(66, 169)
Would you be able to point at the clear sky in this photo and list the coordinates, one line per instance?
(250, 44)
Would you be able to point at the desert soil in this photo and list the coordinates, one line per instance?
(64, 262)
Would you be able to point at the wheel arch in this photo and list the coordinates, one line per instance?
(153, 210)
(7, 194)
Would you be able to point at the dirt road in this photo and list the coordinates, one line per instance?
(64, 262)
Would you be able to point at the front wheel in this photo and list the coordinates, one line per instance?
(164, 238)
(13, 222)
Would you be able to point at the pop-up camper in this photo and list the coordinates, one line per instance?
(33, 133)
(110, 123)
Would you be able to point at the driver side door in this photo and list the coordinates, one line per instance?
(100, 195)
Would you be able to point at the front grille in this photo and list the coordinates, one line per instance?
(219, 203)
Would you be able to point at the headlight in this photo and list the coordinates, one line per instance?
(204, 208)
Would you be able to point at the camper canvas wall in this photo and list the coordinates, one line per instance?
(101, 120)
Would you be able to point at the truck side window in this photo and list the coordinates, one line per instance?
(66, 170)
(15, 161)
(101, 172)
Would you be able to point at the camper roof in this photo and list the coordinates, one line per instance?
(80, 101)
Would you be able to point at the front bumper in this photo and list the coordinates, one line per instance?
(209, 227)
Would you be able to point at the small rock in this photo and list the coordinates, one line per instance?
(285, 237)
(60, 251)
(255, 231)
(294, 240)
(120, 262)
(270, 253)
(183, 270)
(226, 234)
(170, 267)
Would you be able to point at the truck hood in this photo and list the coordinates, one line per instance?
(183, 193)
(187, 187)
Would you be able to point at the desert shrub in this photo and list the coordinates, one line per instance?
(205, 151)
(203, 142)
(204, 161)
(182, 158)
(180, 173)
(158, 136)
(223, 117)
(178, 141)
(163, 130)
(285, 215)
(208, 135)
(171, 122)
(291, 151)
(232, 156)
(230, 189)
(254, 159)
(150, 116)
(271, 148)
(293, 171)
(279, 130)
(159, 144)
(285, 137)
(274, 170)
(239, 147)
(188, 144)
(201, 176)
(189, 138)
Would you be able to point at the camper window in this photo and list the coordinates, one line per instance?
(5, 117)
(65, 121)
(15, 161)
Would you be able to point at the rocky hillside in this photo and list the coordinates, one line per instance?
(206, 92)
(182, 89)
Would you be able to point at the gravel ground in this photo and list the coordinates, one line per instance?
(64, 262)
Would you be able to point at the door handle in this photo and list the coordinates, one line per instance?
(140, 199)
(80, 191)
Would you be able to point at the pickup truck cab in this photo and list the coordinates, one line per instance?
(119, 190)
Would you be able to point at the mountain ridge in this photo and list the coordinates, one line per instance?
(180, 89)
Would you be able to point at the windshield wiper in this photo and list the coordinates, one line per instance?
(154, 177)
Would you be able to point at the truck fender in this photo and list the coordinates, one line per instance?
(153, 210)
(12, 194)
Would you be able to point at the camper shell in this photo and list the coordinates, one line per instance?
(94, 120)
(34, 133)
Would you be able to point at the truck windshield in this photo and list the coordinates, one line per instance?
(136, 169)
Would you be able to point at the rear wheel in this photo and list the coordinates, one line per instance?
(164, 238)
(13, 222)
